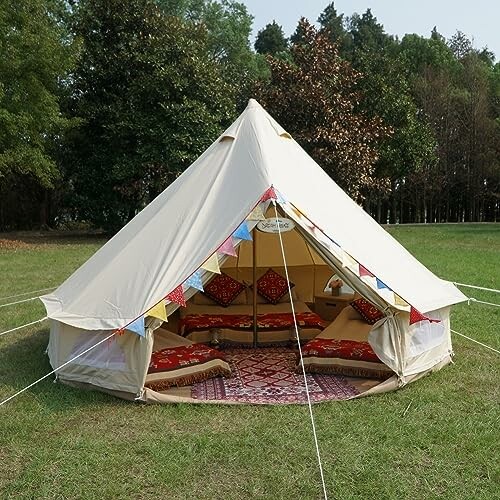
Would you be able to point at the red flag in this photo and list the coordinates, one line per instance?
(177, 296)
(364, 272)
(270, 194)
(416, 316)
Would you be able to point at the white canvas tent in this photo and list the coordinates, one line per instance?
(174, 235)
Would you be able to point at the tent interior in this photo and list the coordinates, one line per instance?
(334, 320)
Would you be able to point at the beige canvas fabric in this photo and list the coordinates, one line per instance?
(197, 212)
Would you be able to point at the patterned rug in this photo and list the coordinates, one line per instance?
(266, 375)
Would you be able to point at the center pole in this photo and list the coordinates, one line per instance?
(254, 288)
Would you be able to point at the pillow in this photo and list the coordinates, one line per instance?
(343, 357)
(262, 300)
(185, 365)
(367, 310)
(272, 286)
(223, 289)
(203, 300)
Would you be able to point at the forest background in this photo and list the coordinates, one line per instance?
(104, 103)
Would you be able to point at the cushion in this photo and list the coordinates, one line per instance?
(185, 365)
(262, 300)
(272, 286)
(223, 289)
(367, 310)
(343, 357)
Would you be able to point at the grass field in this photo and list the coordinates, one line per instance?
(58, 442)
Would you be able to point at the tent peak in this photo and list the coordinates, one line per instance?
(253, 103)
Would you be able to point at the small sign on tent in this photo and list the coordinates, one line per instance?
(271, 225)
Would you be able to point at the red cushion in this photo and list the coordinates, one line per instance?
(272, 286)
(344, 349)
(182, 357)
(223, 289)
(367, 310)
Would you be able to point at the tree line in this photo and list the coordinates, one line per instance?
(103, 103)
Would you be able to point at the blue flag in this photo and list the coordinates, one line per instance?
(137, 327)
(381, 284)
(242, 232)
(194, 281)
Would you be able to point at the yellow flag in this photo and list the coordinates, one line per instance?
(212, 264)
(399, 301)
(158, 311)
(256, 214)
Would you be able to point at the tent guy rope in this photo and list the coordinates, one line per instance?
(301, 359)
(472, 300)
(57, 369)
(24, 326)
(476, 341)
(27, 293)
(477, 287)
(18, 302)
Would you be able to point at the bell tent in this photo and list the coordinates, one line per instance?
(204, 222)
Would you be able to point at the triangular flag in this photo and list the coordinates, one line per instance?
(364, 272)
(227, 248)
(242, 232)
(270, 194)
(212, 264)
(381, 284)
(177, 296)
(256, 214)
(194, 281)
(280, 198)
(137, 327)
(158, 311)
(349, 262)
(416, 316)
(399, 301)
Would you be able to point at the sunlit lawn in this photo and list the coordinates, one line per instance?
(436, 438)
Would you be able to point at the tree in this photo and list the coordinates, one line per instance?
(228, 27)
(35, 57)
(334, 24)
(315, 98)
(271, 40)
(150, 97)
(387, 94)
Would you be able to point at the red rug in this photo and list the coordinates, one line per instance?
(266, 375)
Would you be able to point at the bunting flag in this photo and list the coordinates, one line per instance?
(242, 232)
(416, 316)
(381, 284)
(364, 272)
(227, 248)
(177, 296)
(212, 264)
(256, 214)
(349, 262)
(280, 198)
(270, 194)
(399, 301)
(137, 327)
(194, 281)
(158, 311)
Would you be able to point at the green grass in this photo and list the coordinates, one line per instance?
(59, 442)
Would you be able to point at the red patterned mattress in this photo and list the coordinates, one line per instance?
(265, 322)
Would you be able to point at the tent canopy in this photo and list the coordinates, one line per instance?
(172, 237)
